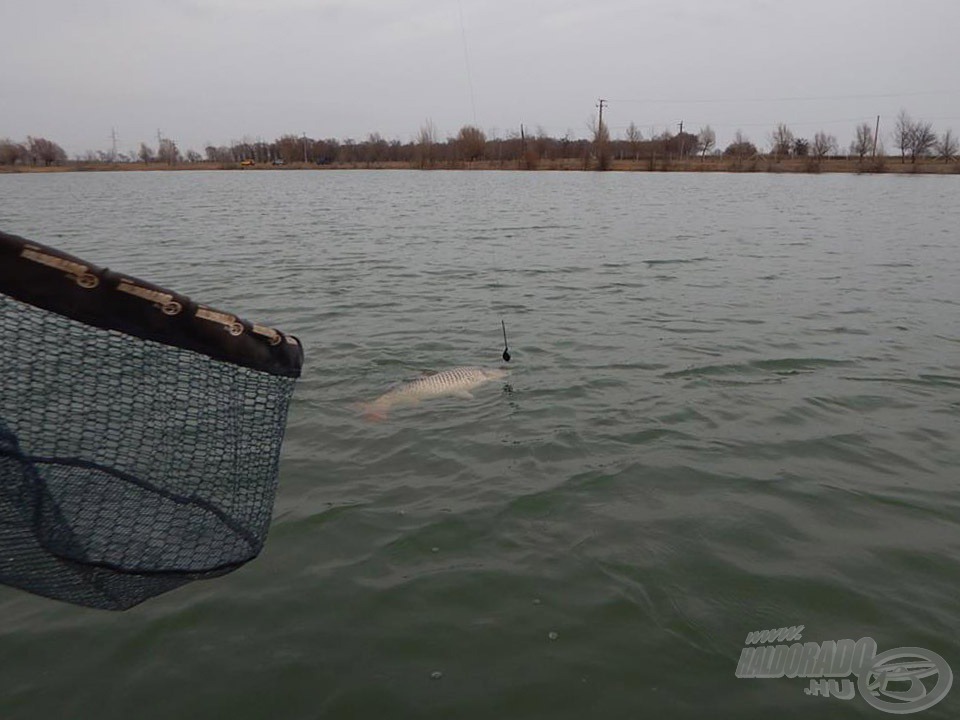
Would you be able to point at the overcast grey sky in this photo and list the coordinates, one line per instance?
(212, 71)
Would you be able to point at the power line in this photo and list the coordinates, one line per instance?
(797, 98)
(759, 124)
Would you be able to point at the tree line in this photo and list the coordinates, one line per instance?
(915, 140)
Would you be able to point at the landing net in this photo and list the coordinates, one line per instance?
(140, 431)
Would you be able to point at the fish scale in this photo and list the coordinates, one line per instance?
(458, 381)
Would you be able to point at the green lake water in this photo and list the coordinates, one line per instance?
(734, 404)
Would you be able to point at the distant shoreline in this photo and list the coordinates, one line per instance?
(887, 165)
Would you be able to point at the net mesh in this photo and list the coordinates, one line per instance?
(128, 467)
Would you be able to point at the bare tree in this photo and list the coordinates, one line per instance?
(863, 143)
(781, 141)
(167, 152)
(348, 151)
(741, 147)
(325, 152)
(375, 149)
(923, 140)
(218, 154)
(145, 154)
(684, 143)
(11, 153)
(601, 140)
(543, 143)
(426, 139)
(524, 151)
(471, 141)
(634, 137)
(45, 151)
(903, 134)
(947, 146)
(801, 147)
(823, 145)
(288, 148)
(706, 140)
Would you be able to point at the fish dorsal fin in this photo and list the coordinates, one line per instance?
(428, 373)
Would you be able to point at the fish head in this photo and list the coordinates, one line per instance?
(495, 373)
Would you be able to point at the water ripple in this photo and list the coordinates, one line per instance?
(735, 412)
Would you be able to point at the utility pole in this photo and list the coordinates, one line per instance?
(523, 149)
(600, 160)
(304, 148)
(682, 140)
(876, 135)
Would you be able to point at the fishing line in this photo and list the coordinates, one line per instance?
(473, 107)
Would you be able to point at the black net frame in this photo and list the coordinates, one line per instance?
(140, 431)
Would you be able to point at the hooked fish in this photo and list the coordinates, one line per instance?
(456, 382)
